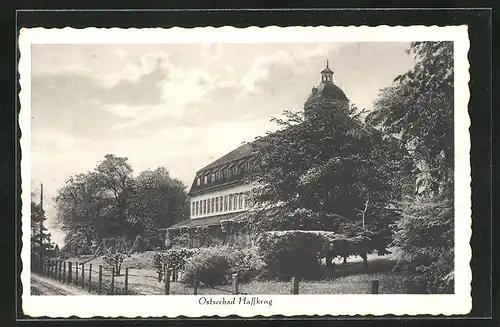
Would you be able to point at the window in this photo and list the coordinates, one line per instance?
(212, 201)
(198, 181)
(205, 179)
(230, 202)
(225, 202)
(213, 177)
(217, 204)
(192, 208)
(243, 201)
(240, 201)
(204, 206)
(235, 200)
(196, 209)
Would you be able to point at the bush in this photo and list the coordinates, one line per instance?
(173, 258)
(210, 266)
(247, 263)
(114, 260)
(297, 253)
(215, 265)
(291, 253)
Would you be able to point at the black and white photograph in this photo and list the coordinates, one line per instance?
(254, 172)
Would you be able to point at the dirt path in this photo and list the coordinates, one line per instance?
(46, 286)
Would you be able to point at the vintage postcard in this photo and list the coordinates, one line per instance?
(250, 172)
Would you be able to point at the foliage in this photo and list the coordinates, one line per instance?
(159, 201)
(247, 263)
(40, 238)
(174, 258)
(209, 266)
(291, 254)
(108, 202)
(418, 109)
(115, 261)
(139, 245)
(215, 265)
(297, 252)
(426, 234)
(326, 170)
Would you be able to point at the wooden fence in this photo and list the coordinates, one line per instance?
(105, 281)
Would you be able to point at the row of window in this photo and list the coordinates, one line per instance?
(226, 172)
(219, 204)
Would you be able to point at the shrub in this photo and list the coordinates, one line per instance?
(247, 263)
(291, 253)
(297, 253)
(173, 258)
(210, 266)
(114, 260)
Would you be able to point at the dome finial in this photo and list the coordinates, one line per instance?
(327, 63)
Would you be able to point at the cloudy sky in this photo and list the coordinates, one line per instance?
(179, 105)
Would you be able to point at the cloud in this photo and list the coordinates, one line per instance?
(133, 72)
(260, 70)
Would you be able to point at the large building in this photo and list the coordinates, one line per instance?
(219, 190)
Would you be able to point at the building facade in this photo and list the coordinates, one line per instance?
(218, 194)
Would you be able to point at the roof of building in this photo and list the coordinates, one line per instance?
(327, 71)
(238, 156)
(211, 221)
(327, 90)
(242, 151)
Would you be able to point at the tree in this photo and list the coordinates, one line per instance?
(326, 171)
(40, 237)
(159, 201)
(108, 202)
(418, 109)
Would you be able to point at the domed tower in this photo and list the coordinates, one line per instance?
(326, 91)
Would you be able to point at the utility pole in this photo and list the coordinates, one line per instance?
(41, 223)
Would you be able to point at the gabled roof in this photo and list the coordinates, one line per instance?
(240, 152)
(238, 156)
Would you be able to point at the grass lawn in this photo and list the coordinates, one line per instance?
(349, 278)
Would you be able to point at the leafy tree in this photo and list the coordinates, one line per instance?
(40, 237)
(327, 171)
(159, 201)
(108, 202)
(418, 109)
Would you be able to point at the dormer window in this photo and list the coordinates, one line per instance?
(205, 179)
(198, 181)
(213, 177)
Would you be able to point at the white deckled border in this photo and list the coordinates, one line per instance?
(287, 305)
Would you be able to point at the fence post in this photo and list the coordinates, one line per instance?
(126, 281)
(76, 273)
(99, 287)
(295, 285)
(375, 284)
(70, 272)
(64, 272)
(167, 280)
(83, 275)
(112, 281)
(235, 284)
(60, 270)
(195, 291)
(90, 277)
